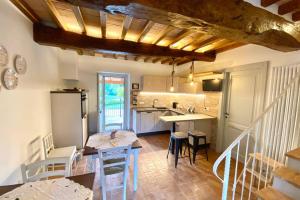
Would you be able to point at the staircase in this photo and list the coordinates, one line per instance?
(286, 181)
(264, 161)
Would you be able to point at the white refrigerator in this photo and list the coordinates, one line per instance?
(69, 118)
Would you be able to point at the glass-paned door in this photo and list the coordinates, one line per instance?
(112, 101)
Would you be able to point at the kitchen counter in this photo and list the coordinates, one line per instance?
(151, 109)
(185, 117)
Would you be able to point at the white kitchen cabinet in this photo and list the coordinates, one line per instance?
(136, 121)
(154, 83)
(147, 122)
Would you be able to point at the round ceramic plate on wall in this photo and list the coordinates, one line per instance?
(20, 64)
(10, 79)
(3, 56)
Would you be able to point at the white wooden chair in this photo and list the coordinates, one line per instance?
(68, 153)
(45, 169)
(114, 161)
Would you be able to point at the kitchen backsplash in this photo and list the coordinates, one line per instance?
(206, 103)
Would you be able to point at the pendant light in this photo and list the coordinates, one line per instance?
(191, 75)
(172, 76)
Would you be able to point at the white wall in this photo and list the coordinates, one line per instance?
(24, 112)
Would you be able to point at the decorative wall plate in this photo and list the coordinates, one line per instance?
(20, 64)
(10, 79)
(3, 56)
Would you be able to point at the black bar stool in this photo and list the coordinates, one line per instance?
(179, 138)
(197, 135)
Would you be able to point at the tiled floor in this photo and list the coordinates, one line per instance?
(158, 178)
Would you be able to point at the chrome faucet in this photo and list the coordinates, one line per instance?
(153, 103)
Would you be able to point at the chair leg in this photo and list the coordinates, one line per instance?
(188, 146)
(206, 148)
(169, 148)
(180, 147)
(195, 148)
(176, 152)
(103, 188)
(124, 190)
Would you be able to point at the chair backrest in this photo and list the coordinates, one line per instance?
(48, 144)
(120, 155)
(44, 169)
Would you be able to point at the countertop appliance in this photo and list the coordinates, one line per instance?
(174, 105)
(69, 118)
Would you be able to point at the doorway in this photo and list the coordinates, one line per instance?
(112, 101)
(245, 98)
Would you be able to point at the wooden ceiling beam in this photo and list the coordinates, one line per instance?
(174, 61)
(163, 34)
(296, 16)
(103, 17)
(147, 59)
(266, 3)
(50, 36)
(79, 18)
(228, 47)
(288, 7)
(192, 41)
(126, 25)
(146, 29)
(165, 61)
(234, 20)
(55, 15)
(26, 9)
(137, 58)
(155, 60)
(182, 34)
(184, 61)
(205, 43)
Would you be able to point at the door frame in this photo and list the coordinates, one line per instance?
(100, 119)
(264, 67)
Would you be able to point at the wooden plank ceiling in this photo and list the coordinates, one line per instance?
(285, 7)
(119, 27)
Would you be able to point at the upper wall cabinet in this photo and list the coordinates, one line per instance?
(186, 87)
(163, 84)
(154, 83)
(175, 84)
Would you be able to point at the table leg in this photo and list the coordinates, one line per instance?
(172, 140)
(135, 168)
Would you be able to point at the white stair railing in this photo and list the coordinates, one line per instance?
(250, 159)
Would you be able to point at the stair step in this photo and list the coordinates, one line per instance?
(289, 175)
(257, 175)
(265, 159)
(270, 193)
(247, 186)
(295, 154)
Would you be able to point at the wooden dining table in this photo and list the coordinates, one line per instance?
(86, 180)
(135, 149)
